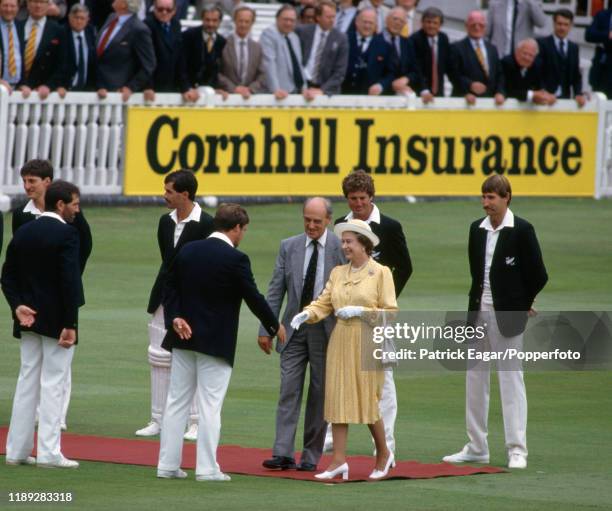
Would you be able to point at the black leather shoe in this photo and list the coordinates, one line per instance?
(279, 462)
(306, 467)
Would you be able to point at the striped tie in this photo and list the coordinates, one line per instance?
(12, 65)
(31, 48)
(481, 59)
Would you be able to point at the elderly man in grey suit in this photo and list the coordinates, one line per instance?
(242, 66)
(302, 268)
(511, 21)
(325, 52)
(283, 54)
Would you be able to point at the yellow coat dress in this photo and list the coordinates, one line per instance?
(351, 393)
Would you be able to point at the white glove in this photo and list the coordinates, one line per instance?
(298, 319)
(350, 311)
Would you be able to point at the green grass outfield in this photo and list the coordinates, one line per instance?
(570, 414)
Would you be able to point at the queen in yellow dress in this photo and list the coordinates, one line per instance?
(356, 292)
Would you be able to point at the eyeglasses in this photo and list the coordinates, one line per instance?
(164, 9)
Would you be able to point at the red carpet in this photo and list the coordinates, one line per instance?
(240, 460)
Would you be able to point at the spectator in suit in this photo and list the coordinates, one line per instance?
(477, 70)
(412, 17)
(600, 33)
(511, 21)
(10, 45)
(170, 73)
(523, 75)
(370, 66)
(206, 286)
(402, 52)
(203, 48)
(56, 9)
(126, 59)
(79, 52)
(99, 10)
(283, 55)
(560, 59)
(345, 17)
(432, 52)
(242, 64)
(308, 14)
(226, 6)
(42, 284)
(381, 12)
(324, 53)
(41, 43)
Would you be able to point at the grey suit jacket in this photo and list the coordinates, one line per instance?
(336, 52)
(255, 75)
(277, 60)
(288, 279)
(530, 15)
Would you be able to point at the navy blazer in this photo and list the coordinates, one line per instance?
(41, 271)
(554, 67)
(518, 85)
(366, 69)
(170, 73)
(69, 59)
(422, 52)
(467, 69)
(165, 239)
(392, 251)
(202, 66)
(404, 63)
(516, 276)
(47, 65)
(206, 286)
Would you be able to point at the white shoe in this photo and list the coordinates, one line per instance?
(30, 460)
(463, 456)
(171, 474)
(219, 477)
(328, 446)
(60, 463)
(342, 470)
(517, 461)
(192, 432)
(151, 429)
(379, 474)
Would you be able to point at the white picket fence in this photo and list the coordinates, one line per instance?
(83, 136)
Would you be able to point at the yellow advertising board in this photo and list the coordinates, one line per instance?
(254, 151)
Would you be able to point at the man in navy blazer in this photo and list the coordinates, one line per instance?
(41, 281)
(600, 33)
(560, 60)
(523, 74)
(402, 52)
(507, 274)
(208, 282)
(477, 70)
(370, 64)
(126, 59)
(79, 60)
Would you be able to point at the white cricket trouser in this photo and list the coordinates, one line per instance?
(511, 388)
(208, 378)
(160, 361)
(43, 372)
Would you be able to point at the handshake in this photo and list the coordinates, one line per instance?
(350, 311)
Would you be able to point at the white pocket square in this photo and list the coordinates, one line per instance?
(509, 261)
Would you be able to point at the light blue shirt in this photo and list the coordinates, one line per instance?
(122, 19)
(5, 59)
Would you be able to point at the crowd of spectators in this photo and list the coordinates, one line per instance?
(313, 48)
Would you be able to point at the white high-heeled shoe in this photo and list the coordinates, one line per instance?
(379, 474)
(342, 470)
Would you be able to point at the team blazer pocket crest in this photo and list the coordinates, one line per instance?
(510, 261)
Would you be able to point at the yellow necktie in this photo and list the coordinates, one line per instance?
(12, 66)
(481, 60)
(30, 49)
(209, 44)
(405, 30)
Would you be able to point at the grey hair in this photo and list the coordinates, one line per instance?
(529, 40)
(212, 8)
(243, 7)
(328, 205)
(433, 12)
(76, 8)
(133, 5)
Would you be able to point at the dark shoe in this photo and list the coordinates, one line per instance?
(279, 462)
(306, 467)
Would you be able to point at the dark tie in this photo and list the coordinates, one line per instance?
(106, 36)
(362, 41)
(434, 68)
(80, 64)
(562, 48)
(514, 16)
(396, 49)
(297, 73)
(166, 27)
(311, 275)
